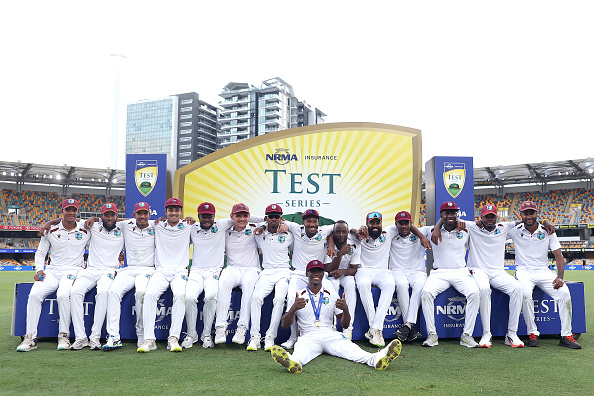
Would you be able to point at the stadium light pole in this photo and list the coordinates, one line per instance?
(116, 111)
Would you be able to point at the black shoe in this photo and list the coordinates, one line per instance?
(569, 342)
(532, 340)
(414, 335)
(402, 333)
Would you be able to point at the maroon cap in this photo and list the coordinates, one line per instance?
(237, 208)
(401, 216)
(174, 202)
(109, 207)
(206, 208)
(528, 205)
(141, 206)
(448, 206)
(373, 215)
(310, 213)
(273, 208)
(314, 264)
(489, 209)
(70, 202)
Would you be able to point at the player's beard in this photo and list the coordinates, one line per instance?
(375, 233)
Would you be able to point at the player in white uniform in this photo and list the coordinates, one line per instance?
(532, 243)
(208, 238)
(343, 267)
(309, 242)
(276, 271)
(139, 237)
(242, 270)
(315, 308)
(107, 242)
(449, 269)
(66, 243)
(407, 263)
(375, 253)
(172, 257)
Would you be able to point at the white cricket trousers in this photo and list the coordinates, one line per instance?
(383, 279)
(231, 277)
(544, 280)
(200, 280)
(409, 305)
(313, 344)
(350, 292)
(270, 278)
(440, 280)
(157, 285)
(85, 281)
(127, 278)
(57, 280)
(500, 280)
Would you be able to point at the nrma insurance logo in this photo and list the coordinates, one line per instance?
(454, 174)
(281, 156)
(162, 310)
(394, 311)
(455, 309)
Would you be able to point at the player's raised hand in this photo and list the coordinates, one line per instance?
(299, 302)
(341, 303)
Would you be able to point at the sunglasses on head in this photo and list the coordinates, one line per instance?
(374, 215)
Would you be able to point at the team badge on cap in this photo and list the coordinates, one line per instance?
(310, 213)
(273, 208)
(448, 206)
(206, 208)
(70, 202)
(142, 206)
(109, 207)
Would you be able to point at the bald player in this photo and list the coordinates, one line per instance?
(66, 243)
(315, 307)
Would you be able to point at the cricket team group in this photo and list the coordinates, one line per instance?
(304, 265)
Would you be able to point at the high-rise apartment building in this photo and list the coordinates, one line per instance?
(182, 126)
(249, 111)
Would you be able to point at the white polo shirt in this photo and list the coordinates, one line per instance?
(375, 253)
(305, 316)
(172, 246)
(406, 253)
(66, 248)
(451, 251)
(105, 247)
(487, 248)
(241, 247)
(209, 245)
(140, 243)
(532, 249)
(306, 249)
(275, 249)
(352, 258)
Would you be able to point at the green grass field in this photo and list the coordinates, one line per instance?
(448, 369)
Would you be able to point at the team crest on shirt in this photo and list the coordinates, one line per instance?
(78, 236)
(318, 237)
(248, 232)
(184, 277)
(281, 239)
(214, 229)
(216, 277)
(459, 235)
(325, 300)
(148, 276)
(352, 251)
(71, 277)
(117, 233)
(412, 238)
(151, 231)
(110, 276)
(540, 235)
(382, 238)
(497, 231)
(180, 226)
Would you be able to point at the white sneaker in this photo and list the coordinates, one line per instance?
(220, 335)
(268, 343)
(254, 343)
(348, 332)
(139, 342)
(79, 344)
(95, 344)
(111, 344)
(63, 342)
(384, 357)
(512, 339)
(368, 334)
(28, 344)
(173, 344)
(147, 346)
(377, 338)
(467, 341)
(207, 342)
(239, 337)
(485, 341)
(189, 341)
(431, 340)
(289, 344)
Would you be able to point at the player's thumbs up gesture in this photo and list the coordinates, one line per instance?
(299, 302)
(341, 303)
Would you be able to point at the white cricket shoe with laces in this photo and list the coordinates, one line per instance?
(512, 339)
(207, 341)
(485, 341)
(220, 335)
(28, 344)
(268, 343)
(63, 342)
(239, 337)
(173, 344)
(468, 341)
(79, 344)
(147, 346)
(189, 341)
(254, 343)
(431, 340)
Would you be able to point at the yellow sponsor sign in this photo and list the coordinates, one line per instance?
(342, 170)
